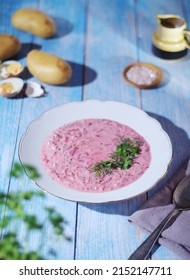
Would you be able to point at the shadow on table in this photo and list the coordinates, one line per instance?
(63, 27)
(165, 79)
(180, 144)
(81, 75)
(26, 74)
(181, 152)
(25, 49)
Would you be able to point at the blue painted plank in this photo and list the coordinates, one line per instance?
(110, 47)
(169, 103)
(10, 109)
(69, 44)
(103, 231)
(98, 38)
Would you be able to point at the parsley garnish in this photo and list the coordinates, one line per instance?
(122, 158)
(17, 205)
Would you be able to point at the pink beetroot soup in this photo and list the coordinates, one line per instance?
(73, 149)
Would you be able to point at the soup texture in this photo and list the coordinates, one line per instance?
(73, 149)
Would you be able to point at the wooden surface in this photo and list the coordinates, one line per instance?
(99, 39)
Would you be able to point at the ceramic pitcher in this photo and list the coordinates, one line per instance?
(171, 34)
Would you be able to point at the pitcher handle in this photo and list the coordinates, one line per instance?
(187, 37)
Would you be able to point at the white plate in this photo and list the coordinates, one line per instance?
(160, 145)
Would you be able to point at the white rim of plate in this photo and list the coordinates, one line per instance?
(110, 196)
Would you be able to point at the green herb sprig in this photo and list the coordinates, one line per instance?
(11, 247)
(18, 169)
(122, 158)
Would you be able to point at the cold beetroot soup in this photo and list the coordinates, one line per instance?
(72, 150)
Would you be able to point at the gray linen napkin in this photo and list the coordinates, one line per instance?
(176, 236)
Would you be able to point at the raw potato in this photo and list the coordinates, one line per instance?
(9, 46)
(48, 68)
(35, 22)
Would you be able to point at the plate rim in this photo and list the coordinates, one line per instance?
(156, 122)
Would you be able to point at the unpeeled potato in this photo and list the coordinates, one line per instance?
(48, 68)
(35, 22)
(9, 46)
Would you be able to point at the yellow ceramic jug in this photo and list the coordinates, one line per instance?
(171, 39)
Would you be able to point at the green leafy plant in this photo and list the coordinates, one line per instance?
(11, 248)
(17, 171)
(122, 158)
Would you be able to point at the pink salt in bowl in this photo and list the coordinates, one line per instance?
(142, 75)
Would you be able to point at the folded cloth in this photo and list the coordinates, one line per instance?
(176, 236)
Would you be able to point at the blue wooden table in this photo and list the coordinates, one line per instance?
(98, 38)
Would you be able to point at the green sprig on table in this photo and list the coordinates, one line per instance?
(11, 248)
(122, 158)
(17, 171)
